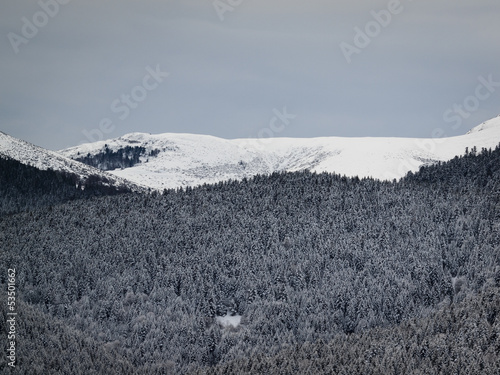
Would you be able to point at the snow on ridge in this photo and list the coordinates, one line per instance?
(191, 160)
(494, 124)
(43, 159)
(182, 160)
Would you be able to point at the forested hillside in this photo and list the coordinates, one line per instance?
(300, 257)
(461, 338)
(47, 345)
(23, 187)
(108, 159)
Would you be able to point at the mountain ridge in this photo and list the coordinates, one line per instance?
(182, 159)
(31, 155)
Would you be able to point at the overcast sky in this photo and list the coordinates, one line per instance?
(71, 73)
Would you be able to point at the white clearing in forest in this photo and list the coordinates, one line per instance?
(229, 321)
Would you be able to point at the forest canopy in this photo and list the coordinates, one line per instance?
(310, 262)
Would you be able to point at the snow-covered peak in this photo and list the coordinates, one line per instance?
(176, 160)
(493, 124)
(38, 157)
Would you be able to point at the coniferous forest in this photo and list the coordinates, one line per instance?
(122, 158)
(329, 274)
(23, 188)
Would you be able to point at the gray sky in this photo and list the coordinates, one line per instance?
(232, 68)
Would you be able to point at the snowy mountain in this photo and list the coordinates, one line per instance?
(29, 154)
(174, 160)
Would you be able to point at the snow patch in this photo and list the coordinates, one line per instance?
(229, 321)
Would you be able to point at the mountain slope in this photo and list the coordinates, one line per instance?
(298, 256)
(174, 160)
(30, 155)
(50, 346)
(449, 341)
